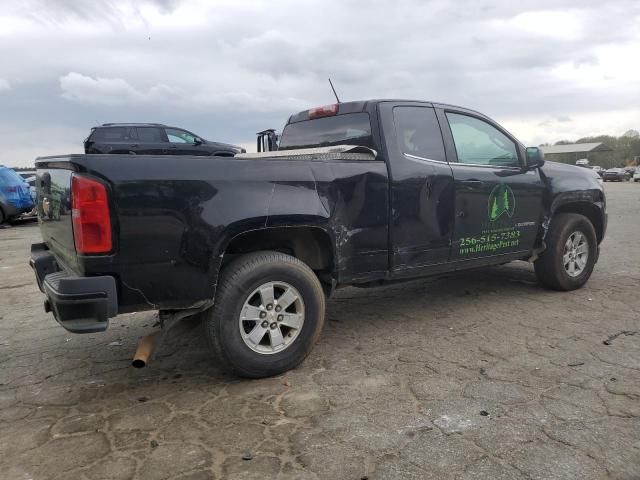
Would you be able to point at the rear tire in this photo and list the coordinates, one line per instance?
(255, 285)
(570, 256)
(1, 217)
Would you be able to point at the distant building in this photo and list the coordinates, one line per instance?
(597, 154)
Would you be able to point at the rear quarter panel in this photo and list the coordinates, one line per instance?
(174, 217)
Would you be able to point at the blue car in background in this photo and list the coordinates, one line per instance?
(15, 195)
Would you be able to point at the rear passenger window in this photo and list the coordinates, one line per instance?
(150, 135)
(110, 134)
(418, 132)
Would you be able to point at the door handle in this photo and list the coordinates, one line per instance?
(135, 145)
(173, 146)
(472, 183)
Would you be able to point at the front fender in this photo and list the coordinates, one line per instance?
(572, 189)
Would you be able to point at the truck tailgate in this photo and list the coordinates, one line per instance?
(53, 184)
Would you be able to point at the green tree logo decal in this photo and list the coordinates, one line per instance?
(501, 201)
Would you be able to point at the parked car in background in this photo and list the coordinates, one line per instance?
(153, 139)
(29, 177)
(15, 197)
(636, 175)
(630, 171)
(615, 175)
(598, 169)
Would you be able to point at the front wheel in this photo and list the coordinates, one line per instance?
(571, 253)
(268, 313)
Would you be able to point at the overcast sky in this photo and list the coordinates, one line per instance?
(546, 69)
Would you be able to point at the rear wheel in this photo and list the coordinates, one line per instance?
(571, 253)
(268, 313)
(2, 218)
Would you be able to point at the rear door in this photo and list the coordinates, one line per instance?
(498, 203)
(422, 190)
(151, 141)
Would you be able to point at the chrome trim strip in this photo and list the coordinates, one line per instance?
(336, 149)
(453, 164)
(416, 157)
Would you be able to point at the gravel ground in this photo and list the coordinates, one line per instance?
(478, 375)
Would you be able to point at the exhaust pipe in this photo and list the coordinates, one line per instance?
(144, 350)
(168, 319)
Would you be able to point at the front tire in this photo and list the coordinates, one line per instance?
(268, 313)
(571, 253)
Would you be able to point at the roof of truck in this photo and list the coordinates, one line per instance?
(132, 124)
(361, 105)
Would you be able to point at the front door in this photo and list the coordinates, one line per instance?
(421, 187)
(182, 142)
(498, 203)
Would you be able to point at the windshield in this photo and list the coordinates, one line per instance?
(9, 177)
(349, 129)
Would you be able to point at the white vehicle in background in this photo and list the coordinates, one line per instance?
(583, 162)
(636, 175)
(598, 169)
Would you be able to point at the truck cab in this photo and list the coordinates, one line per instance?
(462, 190)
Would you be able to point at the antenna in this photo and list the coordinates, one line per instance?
(334, 90)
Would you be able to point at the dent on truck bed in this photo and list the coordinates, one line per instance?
(177, 231)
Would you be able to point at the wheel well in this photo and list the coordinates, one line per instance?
(223, 154)
(310, 245)
(588, 210)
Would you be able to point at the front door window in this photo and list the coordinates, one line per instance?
(480, 143)
(179, 136)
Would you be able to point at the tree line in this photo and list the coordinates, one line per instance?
(625, 148)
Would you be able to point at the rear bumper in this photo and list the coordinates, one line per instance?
(79, 304)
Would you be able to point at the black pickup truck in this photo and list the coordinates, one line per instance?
(358, 193)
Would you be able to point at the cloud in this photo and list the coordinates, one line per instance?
(111, 91)
(229, 68)
(115, 12)
(4, 85)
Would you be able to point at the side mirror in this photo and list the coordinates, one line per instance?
(197, 141)
(535, 157)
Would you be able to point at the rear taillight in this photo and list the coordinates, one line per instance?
(326, 111)
(90, 214)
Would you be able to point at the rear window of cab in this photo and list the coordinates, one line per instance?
(349, 128)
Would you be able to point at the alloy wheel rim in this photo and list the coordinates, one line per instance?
(271, 317)
(576, 254)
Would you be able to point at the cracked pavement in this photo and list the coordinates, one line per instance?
(480, 375)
